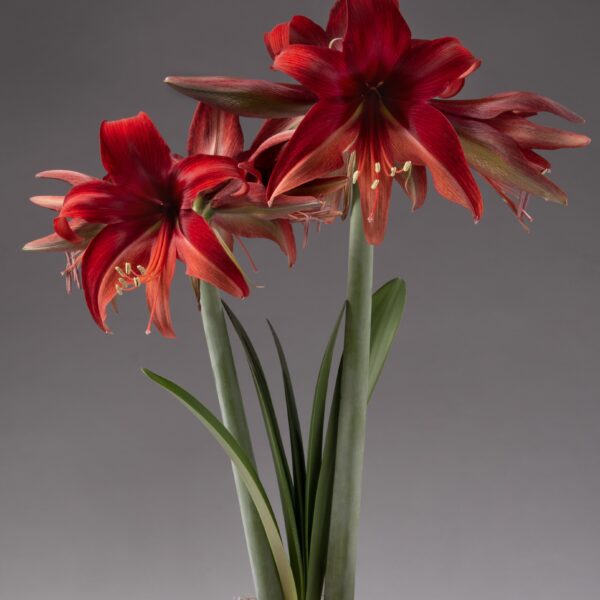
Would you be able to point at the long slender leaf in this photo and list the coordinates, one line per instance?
(317, 422)
(319, 541)
(296, 444)
(247, 473)
(386, 312)
(282, 470)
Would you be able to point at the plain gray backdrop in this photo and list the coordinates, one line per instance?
(483, 452)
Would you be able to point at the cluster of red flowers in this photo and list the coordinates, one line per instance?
(372, 106)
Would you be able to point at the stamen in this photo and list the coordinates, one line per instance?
(377, 167)
(120, 271)
(119, 289)
(137, 282)
(393, 171)
(128, 268)
(355, 177)
(407, 166)
(123, 282)
(141, 269)
(375, 184)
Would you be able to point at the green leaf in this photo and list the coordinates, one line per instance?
(296, 444)
(247, 473)
(317, 422)
(282, 470)
(319, 541)
(386, 312)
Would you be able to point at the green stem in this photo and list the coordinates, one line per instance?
(343, 540)
(264, 572)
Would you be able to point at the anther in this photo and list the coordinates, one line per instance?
(355, 176)
(393, 171)
(407, 166)
(141, 269)
(123, 282)
(137, 282)
(120, 271)
(377, 167)
(375, 184)
(119, 289)
(128, 268)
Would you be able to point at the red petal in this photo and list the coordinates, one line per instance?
(135, 155)
(158, 288)
(205, 257)
(113, 246)
(214, 131)
(338, 20)
(321, 70)
(246, 97)
(431, 68)
(102, 202)
(376, 38)
(432, 141)
(532, 135)
(197, 174)
(72, 177)
(83, 231)
(316, 148)
(523, 103)
(300, 30)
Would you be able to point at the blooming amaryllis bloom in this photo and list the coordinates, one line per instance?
(373, 90)
(499, 142)
(145, 205)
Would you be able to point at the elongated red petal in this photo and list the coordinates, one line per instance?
(214, 131)
(321, 70)
(83, 231)
(114, 246)
(430, 140)
(158, 287)
(197, 174)
(246, 97)
(135, 155)
(103, 202)
(72, 177)
(519, 103)
(316, 148)
(498, 157)
(300, 30)
(205, 257)
(376, 37)
(532, 135)
(338, 20)
(431, 68)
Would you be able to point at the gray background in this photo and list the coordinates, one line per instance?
(483, 458)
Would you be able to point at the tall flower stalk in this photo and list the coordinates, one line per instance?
(266, 580)
(343, 540)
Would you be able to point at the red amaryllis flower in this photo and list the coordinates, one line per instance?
(374, 91)
(499, 142)
(146, 206)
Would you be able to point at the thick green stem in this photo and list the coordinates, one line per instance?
(264, 572)
(343, 540)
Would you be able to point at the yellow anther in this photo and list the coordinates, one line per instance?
(120, 271)
(407, 166)
(119, 289)
(377, 167)
(141, 269)
(393, 171)
(128, 268)
(375, 184)
(137, 282)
